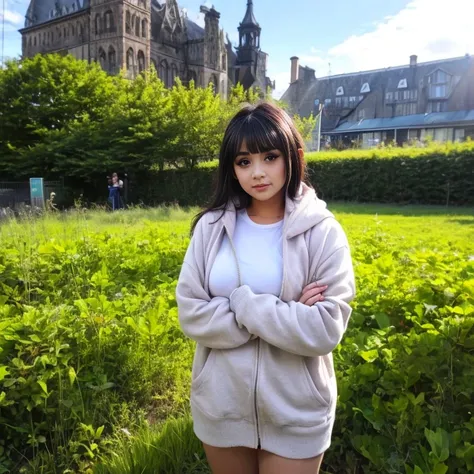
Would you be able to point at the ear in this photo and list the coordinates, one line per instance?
(301, 153)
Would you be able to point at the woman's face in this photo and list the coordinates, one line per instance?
(261, 175)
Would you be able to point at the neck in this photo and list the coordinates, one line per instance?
(274, 207)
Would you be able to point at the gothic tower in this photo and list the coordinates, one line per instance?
(249, 48)
(120, 35)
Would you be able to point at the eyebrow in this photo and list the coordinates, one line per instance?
(246, 153)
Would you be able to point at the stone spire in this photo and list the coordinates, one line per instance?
(249, 18)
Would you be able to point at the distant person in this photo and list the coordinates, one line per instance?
(118, 183)
(114, 192)
(265, 291)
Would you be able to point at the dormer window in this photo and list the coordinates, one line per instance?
(340, 90)
(402, 84)
(365, 88)
(439, 84)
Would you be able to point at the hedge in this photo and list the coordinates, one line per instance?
(438, 174)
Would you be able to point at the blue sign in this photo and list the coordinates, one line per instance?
(37, 192)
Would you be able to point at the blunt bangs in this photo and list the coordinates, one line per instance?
(260, 135)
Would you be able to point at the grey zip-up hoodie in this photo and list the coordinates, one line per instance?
(263, 373)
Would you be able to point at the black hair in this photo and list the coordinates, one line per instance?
(264, 127)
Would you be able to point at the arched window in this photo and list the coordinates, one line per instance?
(213, 81)
(137, 26)
(163, 72)
(224, 63)
(102, 59)
(130, 60)
(132, 25)
(71, 30)
(97, 24)
(34, 41)
(192, 76)
(141, 61)
(109, 21)
(174, 74)
(128, 27)
(144, 27)
(112, 58)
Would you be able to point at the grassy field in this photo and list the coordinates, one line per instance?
(94, 370)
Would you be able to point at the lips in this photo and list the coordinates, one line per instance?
(261, 186)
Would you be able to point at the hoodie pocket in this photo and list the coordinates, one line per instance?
(287, 394)
(224, 387)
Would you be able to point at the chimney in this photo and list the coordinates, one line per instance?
(294, 69)
(413, 60)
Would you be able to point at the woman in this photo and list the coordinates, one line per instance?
(250, 293)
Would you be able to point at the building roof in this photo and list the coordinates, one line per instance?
(194, 30)
(302, 93)
(433, 120)
(41, 11)
(249, 18)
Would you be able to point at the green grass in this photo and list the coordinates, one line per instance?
(390, 246)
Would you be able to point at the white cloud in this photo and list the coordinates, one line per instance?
(428, 28)
(12, 18)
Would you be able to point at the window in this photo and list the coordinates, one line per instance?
(361, 114)
(338, 101)
(137, 26)
(327, 102)
(128, 24)
(340, 91)
(405, 109)
(365, 88)
(97, 24)
(436, 106)
(102, 58)
(130, 59)
(109, 21)
(144, 27)
(163, 72)
(438, 91)
(224, 63)
(112, 58)
(402, 84)
(141, 61)
(174, 73)
(438, 77)
(352, 101)
(388, 96)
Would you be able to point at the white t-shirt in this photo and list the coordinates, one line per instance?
(259, 252)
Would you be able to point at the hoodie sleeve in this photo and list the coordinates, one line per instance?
(295, 327)
(208, 321)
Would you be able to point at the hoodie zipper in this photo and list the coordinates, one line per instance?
(257, 424)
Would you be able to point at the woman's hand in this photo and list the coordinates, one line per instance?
(312, 294)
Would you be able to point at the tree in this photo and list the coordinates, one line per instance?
(42, 95)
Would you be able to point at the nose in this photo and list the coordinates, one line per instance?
(258, 172)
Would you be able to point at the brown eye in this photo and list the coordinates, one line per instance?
(272, 157)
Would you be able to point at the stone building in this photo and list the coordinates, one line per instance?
(396, 104)
(131, 35)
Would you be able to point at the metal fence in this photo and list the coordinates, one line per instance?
(14, 194)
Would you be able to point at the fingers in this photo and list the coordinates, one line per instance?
(313, 291)
(314, 299)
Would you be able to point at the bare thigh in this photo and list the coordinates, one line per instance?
(270, 463)
(237, 460)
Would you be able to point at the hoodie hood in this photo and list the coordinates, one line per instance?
(302, 212)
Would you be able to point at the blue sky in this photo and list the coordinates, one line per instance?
(351, 36)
